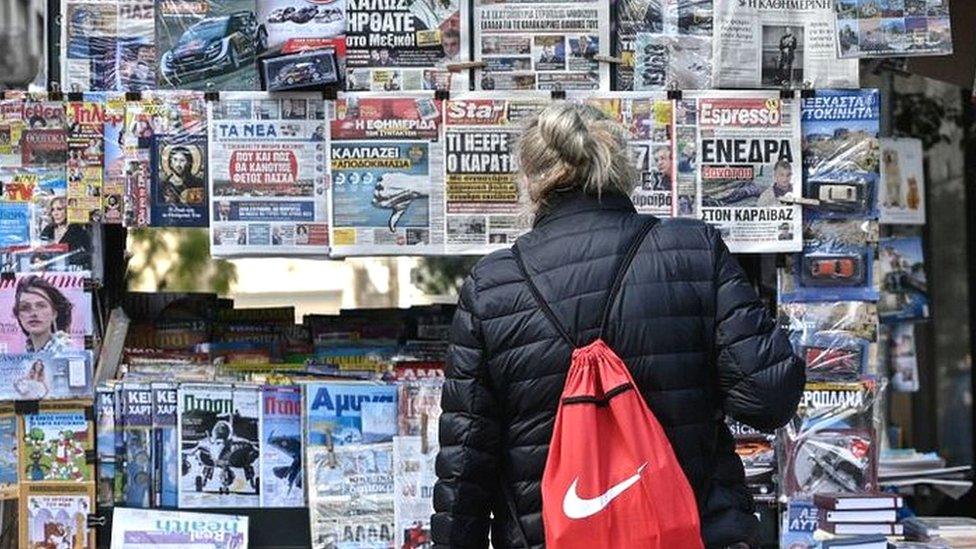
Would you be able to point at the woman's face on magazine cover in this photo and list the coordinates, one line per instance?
(35, 313)
(57, 212)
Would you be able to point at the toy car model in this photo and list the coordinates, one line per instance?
(833, 270)
(328, 15)
(844, 268)
(311, 68)
(832, 363)
(281, 15)
(839, 196)
(298, 73)
(304, 15)
(214, 45)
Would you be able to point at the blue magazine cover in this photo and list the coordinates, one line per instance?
(8, 452)
(166, 462)
(799, 524)
(281, 457)
(105, 417)
(179, 181)
(137, 415)
(904, 285)
(350, 413)
(841, 153)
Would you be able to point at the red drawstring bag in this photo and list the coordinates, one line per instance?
(611, 478)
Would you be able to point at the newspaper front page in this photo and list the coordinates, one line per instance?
(541, 45)
(482, 198)
(268, 175)
(387, 192)
(748, 159)
(779, 44)
(664, 44)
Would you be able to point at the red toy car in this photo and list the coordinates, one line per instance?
(844, 268)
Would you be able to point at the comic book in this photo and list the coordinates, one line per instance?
(159, 529)
(56, 515)
(166, 463)
(9, 453)
(137, 422)
(106, 425)
(54, 443)
(46, 376)
(219, 434)
(282, 450)
(340, 413)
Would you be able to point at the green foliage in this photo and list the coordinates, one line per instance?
(439, 275)
(179, 261)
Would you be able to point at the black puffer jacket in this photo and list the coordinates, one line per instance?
(687, 323)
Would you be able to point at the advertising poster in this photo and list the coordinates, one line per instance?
(893, 28)
(220, 445)
(293, 22)
(89, 33)
(45, 376)
(166, 462)
(775, 44)
(281, 460)
(387, 176)
(48, 312)
(348, 413)
(541, 45)
(904, 285)
(901, 195)
(211, 44)
(351, 496)
(137, 442)
(268, 175)
(57, 514)
(161, 529)
(53, 445)
(748, 158)
(649, 118)
(840, 152)
(664, 44)
(394, 46)
(86, 120)
(480, 173)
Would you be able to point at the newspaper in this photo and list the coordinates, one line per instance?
(394, 46)
(541, 45)
(664, 44)
(387, 176)
(413, 488)
(649, 117)
(881, 28)
(748, 158)
(268, 170)
(161, 529)
(351, 496)
(901, 195)
(482, 199)
(779, 44)
(107, 45)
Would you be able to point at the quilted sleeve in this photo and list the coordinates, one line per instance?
(469, 437)
(760, 378)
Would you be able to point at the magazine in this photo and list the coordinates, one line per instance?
(166, 462)
(86, 120)
(339, 413)
(54, 444)
(282, 449)
(46, 376)
(56, 515)
(107, 426)
(220, 445)
(9, 453)
(904, 285)
(137, 437)
(160, 529)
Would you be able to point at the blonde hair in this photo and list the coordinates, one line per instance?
(573, 146)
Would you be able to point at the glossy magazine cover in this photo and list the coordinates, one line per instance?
(282, 450)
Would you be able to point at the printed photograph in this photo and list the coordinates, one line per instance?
(695, 17)
(782, 56)
(869, 9)
(937, 8)
(506, 45)
(847, 9)
(181, 175)
(762, 186)
(872, 37)
(917, 33)
(916, 8)
(651, 62)
(550, 53)
(904, 285)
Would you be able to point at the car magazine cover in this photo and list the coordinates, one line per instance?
(541, 45)
(351, 496)
(166, 461)
(769, 44)
(340, 413)
(107, 427)
(747, 164)
(893, 28)
(45, 313)
(9, 453)
(837, 263)
(211, 44)
(89, 33)
(220, 445)
(387, 194)
(301, 22)
(901, 194)
(281, 459)
(86, 120)
(54, 442)
(56, 515)
(137, 434)
(649, 119)
(840, 152)
(268, 172)
(663, 44)
(482, 196)
(904, 286)
(46, 376)
(394, 46)
(161, 529)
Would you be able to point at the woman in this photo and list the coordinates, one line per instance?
(33, 386)
(44, 315)
(74, 236)
(687, 324)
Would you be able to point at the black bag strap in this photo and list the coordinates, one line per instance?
(618, 279)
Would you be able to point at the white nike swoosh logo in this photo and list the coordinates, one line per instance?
(576, 507)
